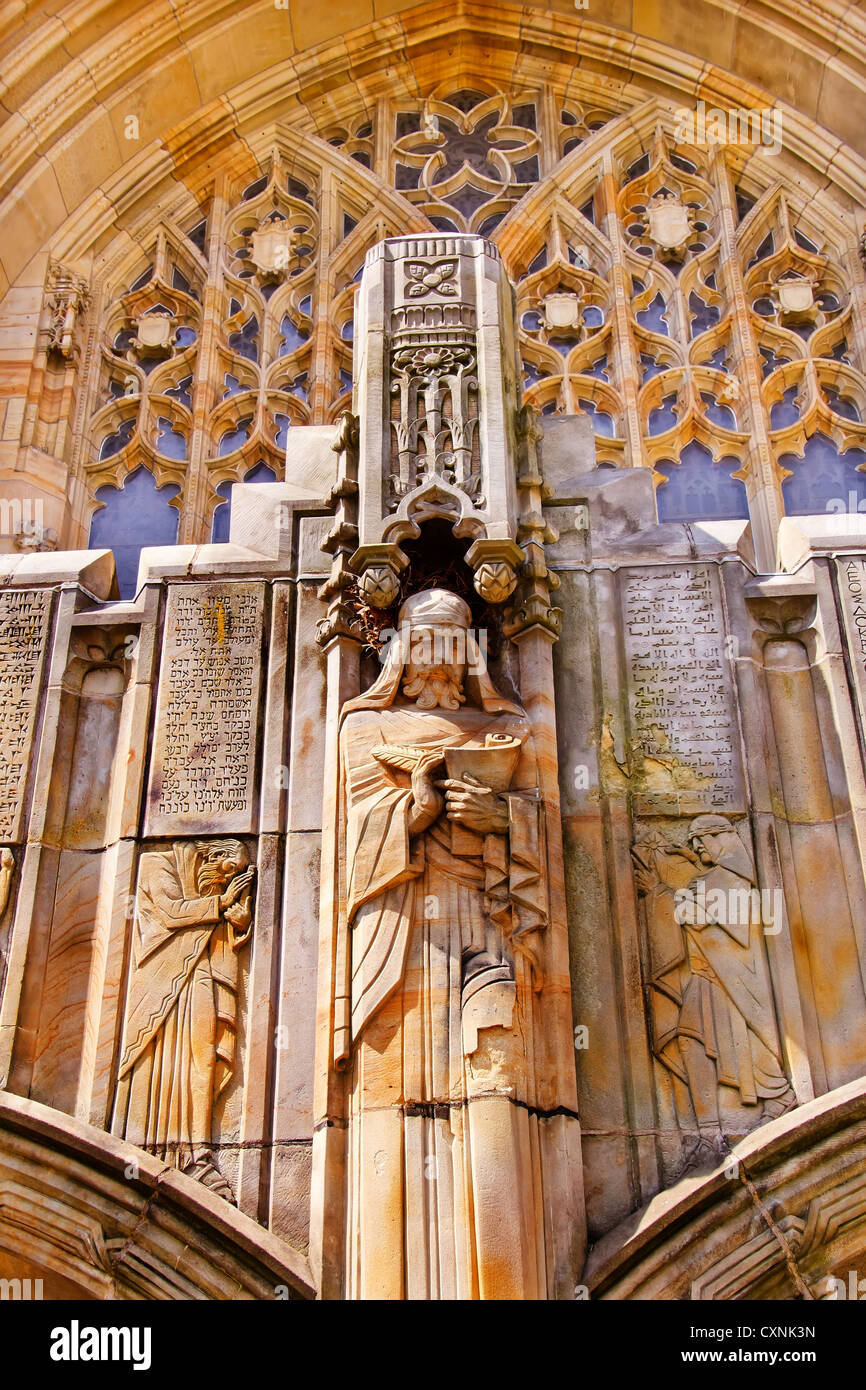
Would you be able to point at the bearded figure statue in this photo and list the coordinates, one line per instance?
(192, 917)
(444, 896)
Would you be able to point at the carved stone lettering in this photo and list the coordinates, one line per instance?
(683, 748)
(207, 713)
(23, 630)
(852, 585)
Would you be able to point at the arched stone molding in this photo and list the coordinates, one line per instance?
(782, 1216)
(96, 1217)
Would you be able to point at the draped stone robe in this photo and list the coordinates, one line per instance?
(711, 983)
(179, 1040)
(442, 1159)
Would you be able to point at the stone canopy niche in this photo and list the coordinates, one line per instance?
(437, 401)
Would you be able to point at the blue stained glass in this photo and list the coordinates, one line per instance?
(601, 422)
(169, 441)
(233, 386)
(824, 480)
(704, 315)
(841, 405)
(234, 439)
(181, 392)
(651, 316)
(533, 374)
(489, 225)
(244, 342)
(784, 412)
(283, 423)
(261, 473)
(135, 515)
(298, 387)
(293, 336)
(765, 249)
(664, 417)
(718, 414)
(700, 490)
(651, 367)
(113, 443)
(717, 360)
(771, 361)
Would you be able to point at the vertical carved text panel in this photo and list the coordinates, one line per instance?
(204, 745)
(24, 615)
(684, 750)
(851, 572)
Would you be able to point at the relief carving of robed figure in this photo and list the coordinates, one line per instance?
(444, 899)
(711, 1000)
(192, 916)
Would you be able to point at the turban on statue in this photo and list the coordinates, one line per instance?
(432, 608)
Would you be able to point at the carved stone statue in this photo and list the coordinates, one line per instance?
(445, 895)
(192, 916)
(713, 1020)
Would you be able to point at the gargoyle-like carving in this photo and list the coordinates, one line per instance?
(193, 915)
(711, 1000)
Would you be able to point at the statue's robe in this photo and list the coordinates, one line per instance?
(179, 1039)
(711, 983)
(441, 1159)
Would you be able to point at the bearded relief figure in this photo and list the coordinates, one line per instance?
(444, 899)
(193, 915)
(711, 1001)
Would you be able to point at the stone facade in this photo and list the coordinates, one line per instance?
(431, 849)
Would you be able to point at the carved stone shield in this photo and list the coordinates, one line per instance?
(272, 248)
(155, 332)
(561, 310)
(668, 222)
(795, 296)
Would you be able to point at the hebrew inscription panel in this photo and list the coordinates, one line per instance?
(203, 773)
(684, 755)
(24, 617)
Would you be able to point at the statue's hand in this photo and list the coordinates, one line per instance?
(428, 802)
(646, 879)
(236, 889)
(240, 915)
(475, 806)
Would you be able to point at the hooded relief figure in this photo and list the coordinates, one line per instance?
(444, 896)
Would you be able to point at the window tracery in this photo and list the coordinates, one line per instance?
(694, 303)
